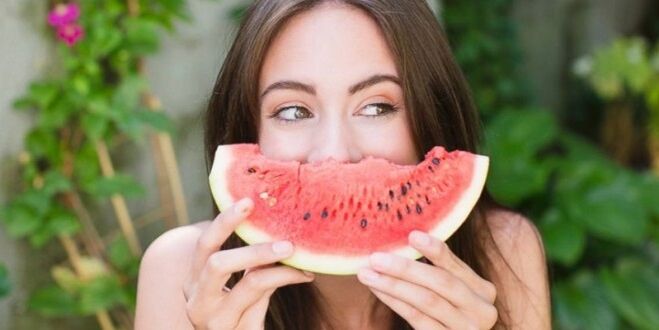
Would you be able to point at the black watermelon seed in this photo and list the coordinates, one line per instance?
(324, 213)
(427, 200)
(251, 170)
(363, 223)
(408, 209)
(409, 185)
(307, 216)
(418, 209)
(403, 190)
(435, 161)
(380, 206)
(391, 194)
(400, 216)
(430, 168)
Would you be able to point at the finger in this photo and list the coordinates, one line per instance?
(253, 317)
(251, 288)
(413, 316)
(431, 277)
(441, 255)
(419, 298)
(219, 230)
(223, 263)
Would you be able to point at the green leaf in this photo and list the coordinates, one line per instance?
(613, 211)
(53, 301)
(122, 258)
(103, 292)
(632, 288)
(155, 119)
(580, 303)
(564, 240)
(94, 126)
(118, 184)
(42, 93)
(141, 36)
(20, 220)
(5, 285)
(127, 95)
(520, 133)
(86, 169)
(516, 178)
(648, 185)
(58, 221)
(56, 115)
(55, 182)
(43, 143)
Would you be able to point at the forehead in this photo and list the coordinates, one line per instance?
(331, 42)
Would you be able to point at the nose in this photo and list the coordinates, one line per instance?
(334, 140)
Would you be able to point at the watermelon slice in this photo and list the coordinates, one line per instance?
(337, 214)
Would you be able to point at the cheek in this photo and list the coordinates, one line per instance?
(392, 141)
(284, 144)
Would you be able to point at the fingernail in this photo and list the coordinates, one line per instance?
(368, 275)
(381, 259)
(282, 247)
(420, 238)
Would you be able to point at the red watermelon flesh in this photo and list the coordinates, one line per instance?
(337, 214)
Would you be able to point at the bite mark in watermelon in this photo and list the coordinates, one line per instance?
(337, 214)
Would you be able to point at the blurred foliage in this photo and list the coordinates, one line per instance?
(95, 95)
(5, 287)
(624, 71)
(481, 32)
(599, 221)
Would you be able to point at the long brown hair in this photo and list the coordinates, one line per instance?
(436, 94)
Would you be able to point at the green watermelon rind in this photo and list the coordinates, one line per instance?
(340, 264)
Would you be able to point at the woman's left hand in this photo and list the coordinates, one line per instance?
(445, 295)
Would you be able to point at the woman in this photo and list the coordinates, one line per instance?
(313, 79)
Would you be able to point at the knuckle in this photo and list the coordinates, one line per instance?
(491, 316)
(253, 281)
(490, 291)
(205, 243)
(428, 298)
(216, 263)
(444, 279)
(412, 314)
(471, 325)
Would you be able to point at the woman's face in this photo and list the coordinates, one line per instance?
(329, 89)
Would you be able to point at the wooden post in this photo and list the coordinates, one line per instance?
(118, 202)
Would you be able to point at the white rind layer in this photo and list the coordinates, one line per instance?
(340, 264)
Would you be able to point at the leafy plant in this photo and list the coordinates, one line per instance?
(96, 98)
(599, 221)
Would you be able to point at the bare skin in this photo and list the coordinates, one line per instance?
(331, 49)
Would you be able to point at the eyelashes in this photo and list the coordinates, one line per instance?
(295, 113)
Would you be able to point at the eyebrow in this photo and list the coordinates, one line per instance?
(296, 85)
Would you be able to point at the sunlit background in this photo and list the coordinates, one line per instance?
(101, 121)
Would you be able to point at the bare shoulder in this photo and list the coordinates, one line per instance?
(175, 244)
(514, 234)
(521, 276)
(164, 267)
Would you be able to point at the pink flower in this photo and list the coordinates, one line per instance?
(70, 33)
(63, 14)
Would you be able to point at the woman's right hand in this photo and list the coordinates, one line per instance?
(209, 304)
